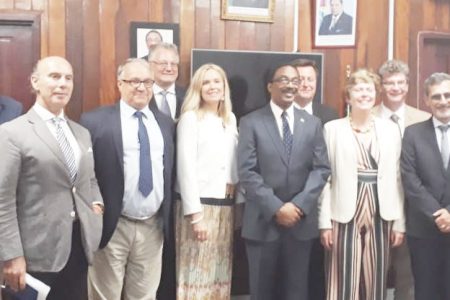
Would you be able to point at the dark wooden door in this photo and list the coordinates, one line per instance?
(434, 56)
(19, 51)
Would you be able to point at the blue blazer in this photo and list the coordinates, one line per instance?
(104, 124)
(9, 109)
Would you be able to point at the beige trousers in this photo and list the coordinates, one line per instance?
(129, 267)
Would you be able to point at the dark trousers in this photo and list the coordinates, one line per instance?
(279, 269)
(71, 282)
(167, 286)
(430, 258)
(316, 272)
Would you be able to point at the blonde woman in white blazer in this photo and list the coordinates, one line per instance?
(361, 208)
(206, 177)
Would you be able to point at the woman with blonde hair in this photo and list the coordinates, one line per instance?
(206, 179)
(361, 208)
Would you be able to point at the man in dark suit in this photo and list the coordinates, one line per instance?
(308, 74)
(133, 151)
(283, 166)
(338, 22)
(426, 181)
(9, 109)
(50, 204)
(152, 38)
(168, 97)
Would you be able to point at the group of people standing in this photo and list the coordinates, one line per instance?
(324, 197)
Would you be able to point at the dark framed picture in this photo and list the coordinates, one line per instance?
(144, 35)
(248, 10)
(334, 23)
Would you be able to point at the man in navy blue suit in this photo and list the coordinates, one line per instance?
(9, 109)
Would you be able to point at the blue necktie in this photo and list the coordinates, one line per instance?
(287, 135)
(145, 161)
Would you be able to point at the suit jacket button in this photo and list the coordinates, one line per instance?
(73, 214)
(74, 190)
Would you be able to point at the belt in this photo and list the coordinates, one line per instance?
(212, 201)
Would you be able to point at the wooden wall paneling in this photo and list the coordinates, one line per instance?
(22, 4)
(262, 30)
(42, 6)
(289, 11)
(305, 28)
(57, 27)
(172, 11)
(156, 11)
(401, 30)
(7, 4)
(74, 54)
(377, 17)
(248, 36)
(217, 26)
(202, 24)
(443, 9)
(91, 55)
(108, 10)
(233, 34)
(276, 33)
(332, 78)
(187, 37)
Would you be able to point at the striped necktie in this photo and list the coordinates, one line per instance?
(287, 134)
(445, 151)
(65, 148)
(164, 104)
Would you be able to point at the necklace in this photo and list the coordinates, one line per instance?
(361, 130)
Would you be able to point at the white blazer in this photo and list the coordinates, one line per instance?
(206, 158)
(338, 199)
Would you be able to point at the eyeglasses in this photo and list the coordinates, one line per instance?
(148, 83)
(439, 97)
(165, 64)
(390, 84)
(285, 81)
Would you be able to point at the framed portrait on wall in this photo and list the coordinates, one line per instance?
(144, 35)
(248, 10)
(334, 23)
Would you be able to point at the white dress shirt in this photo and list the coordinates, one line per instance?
(308, 107)
(47, 117)
(436, 124)
(386, 113)
(136, 205)
(277, 111)
(170, 96)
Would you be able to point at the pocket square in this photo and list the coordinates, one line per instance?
(89, 149)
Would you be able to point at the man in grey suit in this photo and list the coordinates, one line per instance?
(394, 76)
(50, 204)
(283, 166)
(9, 109)
(426, 181)
(133, 150)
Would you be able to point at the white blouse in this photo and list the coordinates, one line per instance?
(206, 158)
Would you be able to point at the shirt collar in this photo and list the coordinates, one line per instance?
(157, 89)
(277, 111)
(437, 123)
(308, 107)
(386, 113)
(45, 114)
(128, 111)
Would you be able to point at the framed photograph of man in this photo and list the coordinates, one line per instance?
(143, 36)
(248, 10)
(335, 23)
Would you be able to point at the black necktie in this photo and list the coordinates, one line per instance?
(145, 161)
(287, 135)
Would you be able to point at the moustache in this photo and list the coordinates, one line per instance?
(289, 90)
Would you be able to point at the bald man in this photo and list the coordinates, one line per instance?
(50, 203)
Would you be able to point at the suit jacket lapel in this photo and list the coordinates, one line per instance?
(431, 139)
(272, 129)
(45, 135)
(299, 126)
(116, 130)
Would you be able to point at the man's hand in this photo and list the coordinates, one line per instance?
(288, 215)
(326, 238)
(442, 220)
(97, 208)
(14, 273)
(396, 238)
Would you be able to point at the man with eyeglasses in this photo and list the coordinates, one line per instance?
(426, 182)
(133, 152)
(395, 82)
(308, 73)
(283, 166)
(168, 97)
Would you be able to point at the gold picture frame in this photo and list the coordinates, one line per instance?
(248, 10)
